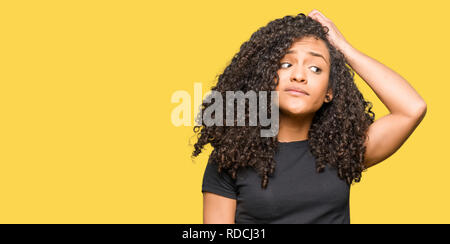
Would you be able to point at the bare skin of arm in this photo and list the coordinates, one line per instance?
(218, 209)
(407, 108)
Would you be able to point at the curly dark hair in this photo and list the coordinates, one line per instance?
(338, 130)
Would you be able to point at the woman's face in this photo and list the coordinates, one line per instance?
(306, 67)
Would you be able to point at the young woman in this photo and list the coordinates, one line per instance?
(327, 132)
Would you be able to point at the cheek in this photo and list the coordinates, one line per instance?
(283, 79)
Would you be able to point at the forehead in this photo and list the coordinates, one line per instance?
(307, 44)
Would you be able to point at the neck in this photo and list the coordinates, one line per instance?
(294, 128)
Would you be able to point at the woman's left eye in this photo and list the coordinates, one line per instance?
(318, 69)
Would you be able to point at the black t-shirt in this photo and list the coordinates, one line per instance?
(296, 193)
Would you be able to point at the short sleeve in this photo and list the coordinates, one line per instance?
(218, 183)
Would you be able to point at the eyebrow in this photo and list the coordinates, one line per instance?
(309, 52)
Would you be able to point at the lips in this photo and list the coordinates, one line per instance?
(296, 91)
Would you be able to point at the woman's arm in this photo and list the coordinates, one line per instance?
(218, 209)
(407, 108)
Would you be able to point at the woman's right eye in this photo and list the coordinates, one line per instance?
(283, 65)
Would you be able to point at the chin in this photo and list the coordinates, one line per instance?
(294, 111)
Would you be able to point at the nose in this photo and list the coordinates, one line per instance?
(298, 75)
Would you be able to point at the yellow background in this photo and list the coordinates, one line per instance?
(85, 88)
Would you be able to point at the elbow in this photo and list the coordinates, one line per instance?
(423, 109)
(420, 111)
(415, 111)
